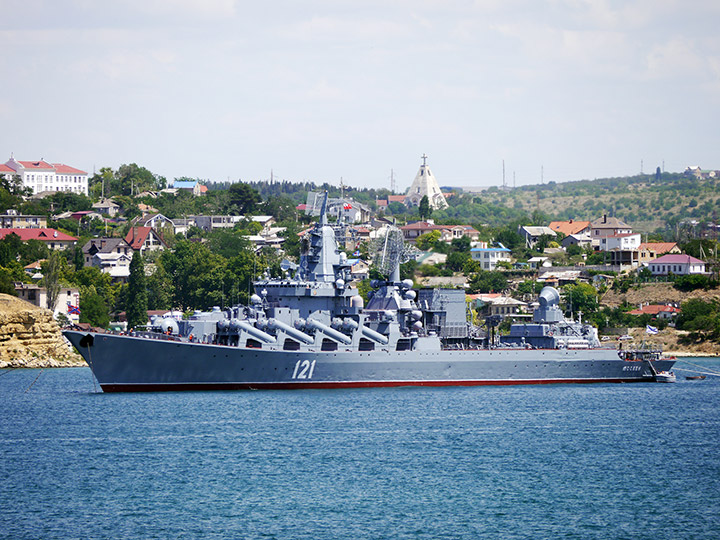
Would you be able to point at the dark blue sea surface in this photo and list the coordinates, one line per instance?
(553, 461)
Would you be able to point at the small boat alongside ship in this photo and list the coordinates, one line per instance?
(313, 330)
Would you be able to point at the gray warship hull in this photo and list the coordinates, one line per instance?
(123, 363)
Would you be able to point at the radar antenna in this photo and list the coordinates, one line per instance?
(390, 252)
(313, 207)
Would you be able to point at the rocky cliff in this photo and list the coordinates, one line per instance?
(30, 337)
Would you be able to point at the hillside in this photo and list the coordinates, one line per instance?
(647, 202)
(669, 338)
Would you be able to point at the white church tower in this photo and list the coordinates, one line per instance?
(425, 184)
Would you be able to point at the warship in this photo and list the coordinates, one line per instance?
(311, 329)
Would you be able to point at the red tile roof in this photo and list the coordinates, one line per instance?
(569, 227)
(60, 168)
(136, 236)
(44, 235)
(396, 198)
(679, 258)
(654, 310)
(658, 247)
(4, 169)
(36, 164)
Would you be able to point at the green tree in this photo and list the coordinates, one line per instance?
(93, 309)
(487, 282)
(137, 300)
(581, 297)
(424, 209)
(243, 199)
(52, 270)
(428, 240)
(457, 260)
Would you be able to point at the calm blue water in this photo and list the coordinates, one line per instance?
(562, 461)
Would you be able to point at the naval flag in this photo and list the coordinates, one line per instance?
(651, 329)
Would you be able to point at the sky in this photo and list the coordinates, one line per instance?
(557, 90)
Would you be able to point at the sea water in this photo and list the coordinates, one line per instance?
(552, 461)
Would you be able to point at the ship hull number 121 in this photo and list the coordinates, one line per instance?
(303, 369)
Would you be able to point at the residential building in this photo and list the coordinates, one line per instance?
(620, 242)
(156, 221)
(582, 240)
(359, 269)
(570, 227)
(68, 302)
(107, 207)
(12, 220)
(413, 231)
(652, 250)
(41, 176)
(489, 257)
(115, 264)
(532, 234)
(678, 264)
(425, 184)
(348, 211)
(210, 223)
(659, 311)
(116, 246)
(53, 238)
(145, 239)
(607, 226)
(191, 186)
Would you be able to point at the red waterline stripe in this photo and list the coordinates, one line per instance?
(353, 384)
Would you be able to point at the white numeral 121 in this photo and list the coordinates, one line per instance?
(303, 369)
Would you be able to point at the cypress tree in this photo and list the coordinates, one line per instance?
(137, 301)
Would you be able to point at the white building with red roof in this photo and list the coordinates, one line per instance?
(41, 176)
(678, 264)
(53, 238)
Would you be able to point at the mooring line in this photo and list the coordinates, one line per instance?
(36, 378)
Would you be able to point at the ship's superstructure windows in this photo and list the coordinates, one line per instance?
(291, 345)
(403, 345)
(366, 345)
(328, 345)
(253, 344)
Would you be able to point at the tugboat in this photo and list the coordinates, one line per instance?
(312, 330)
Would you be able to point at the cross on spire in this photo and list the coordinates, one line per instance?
(424, 158)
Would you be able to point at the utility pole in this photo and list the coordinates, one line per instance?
(392, 182)
(503, 174)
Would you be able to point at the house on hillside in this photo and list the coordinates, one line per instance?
(489, 257)
(650, 251)
(107, 207)
(607, 226)
(678, 264)
(68, 302)
(145, 239)
(190, 186)
(156, 221)
(582, 240)
(94, 246)
(532, 234)
(12, 220)
(52, 238)
(659, 311)
(570, 227)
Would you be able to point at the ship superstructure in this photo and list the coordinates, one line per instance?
(312, 329)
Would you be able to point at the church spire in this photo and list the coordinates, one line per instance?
(425, 184)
